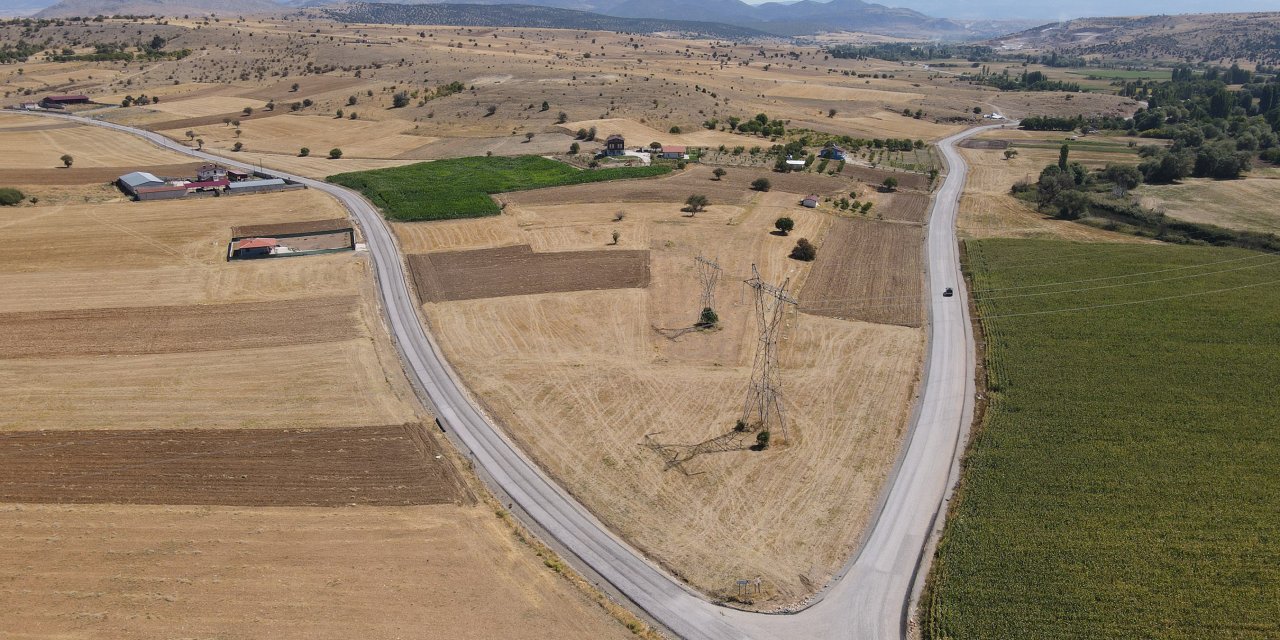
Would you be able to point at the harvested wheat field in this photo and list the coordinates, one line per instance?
(640, 135)
(89, 146)
(870, 271)
(586, 380)
(171, 329)
(287, 134)
(156, 572)
(1248, 204)
(92, 175)
(375, 466)
(517, 270)
(206, 106)
(903, 206)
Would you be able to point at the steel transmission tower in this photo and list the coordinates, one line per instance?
(708, 274)
(763, 408)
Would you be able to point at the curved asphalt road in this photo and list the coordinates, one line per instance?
(870, 600)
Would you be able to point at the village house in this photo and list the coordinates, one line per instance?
(614, 145)
(811, 201)
(673, 153)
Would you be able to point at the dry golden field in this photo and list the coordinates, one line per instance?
(1248, 204)
(137, 365)
(585, 379)
(40, 143)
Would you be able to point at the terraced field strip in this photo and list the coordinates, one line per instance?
(514, 271)
(373, 466)
(867, 270)
(1123, 484)
(93, 175)
(172, 329)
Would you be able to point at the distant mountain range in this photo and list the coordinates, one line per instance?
(1204, 37)
(516, 15)
(804, 17)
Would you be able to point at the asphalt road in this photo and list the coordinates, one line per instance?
(870, 600)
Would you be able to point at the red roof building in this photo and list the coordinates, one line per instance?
(673, 152)
(258, 243)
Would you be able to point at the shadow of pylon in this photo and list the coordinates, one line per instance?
(675, 455)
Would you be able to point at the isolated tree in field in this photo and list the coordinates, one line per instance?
(1009, 154)
(248, 111)
(674, 130)
(191, 135)
(762, 441)
(719, 173)
(400, 100)
(335, 153)
(616, 235)
(306, 102)
(528, 136)
(271, 106)
(574, 148)
(977, 111)
(708, 317)
(784, 225)
(351, 100)
(238, 132)
(67, 160)
(804, 250)
(890, 184)
(562, 118)
(237, 146)
(304, 152)
(696, 203)
(1063, 152)
(10, 197)
(545, 106)
(294, 88)
(199, 143)
(831, 113)
(490, 110)
(761, 184)
(353, 116)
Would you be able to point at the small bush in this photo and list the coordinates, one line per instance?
(804, 251)
(335, 153)
(761, 184)
(304, 152)
(237, 146)
(10, 197)
(708, 317)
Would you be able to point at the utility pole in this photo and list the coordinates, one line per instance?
(762, 410)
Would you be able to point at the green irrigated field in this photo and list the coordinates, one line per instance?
(1124, 74)
(460, 188)
(1126, 482)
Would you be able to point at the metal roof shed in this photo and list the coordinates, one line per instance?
(140, 179)
(252, 184)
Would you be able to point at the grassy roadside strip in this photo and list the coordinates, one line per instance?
(1123, 482)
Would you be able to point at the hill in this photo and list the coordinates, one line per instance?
(517, 15)
(68, 8)
(1207, 37)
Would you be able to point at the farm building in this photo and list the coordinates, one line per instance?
(211, 172)
(811, 201)
(254, 186)
(833, 153)
(60, 102)
(614, 145)
(673, 153)
(131, 182)
(794, 165)
(254, 248)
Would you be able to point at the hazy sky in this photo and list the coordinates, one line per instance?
(1063, 10)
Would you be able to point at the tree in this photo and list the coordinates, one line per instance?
(247, 111)
(1072, 204)
(1125, 176)
(294, 88)
(890, 184)
(696, 203)
(191, 135)
(574, 148)
(762, 441)
(784, 225)
(400, 100)
(866, 206)
(10, 197)
(335, 153)
(351, 101)
(674, 130)
(719, 172)
(804, 251)
(490, 110)
(157, 43)
(655, 145)
(831, 113)
(545, 106)
(1010, 154)
(1166, 167)
(761, 184)
(237, 146)
(67, 160)
(1063, 152)
(199, 143)
(977, 111)
(304, 152)
(708, 317)
(238, 132)
(339, 114)
(528, 136)
(616, 235)
(562, 118)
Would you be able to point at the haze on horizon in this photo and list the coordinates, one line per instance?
(1050, 11)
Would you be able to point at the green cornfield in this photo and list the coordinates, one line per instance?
(460, 188)
(1126, 480)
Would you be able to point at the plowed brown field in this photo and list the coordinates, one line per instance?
(906, 179)
(381, 466)
(92, 175)
(172, 329)
(869, 271)
(514, 271)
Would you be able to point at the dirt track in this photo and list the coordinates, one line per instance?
(173, 329)
(373, 466)
(869, 271)
(514, 271)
